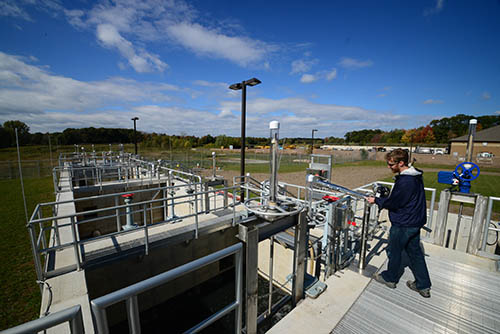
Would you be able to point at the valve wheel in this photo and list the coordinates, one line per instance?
(465, 171)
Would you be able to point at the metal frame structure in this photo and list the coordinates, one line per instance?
(130, 293)
(163, 198)
(73, 315)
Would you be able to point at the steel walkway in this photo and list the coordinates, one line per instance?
(464, 299)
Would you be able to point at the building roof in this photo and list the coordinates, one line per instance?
(488, 135)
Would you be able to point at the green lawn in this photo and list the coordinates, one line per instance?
(19, 295)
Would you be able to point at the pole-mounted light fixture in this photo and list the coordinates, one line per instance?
(135, 133)
(243, 86)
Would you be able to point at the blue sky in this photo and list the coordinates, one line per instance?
(335, 66)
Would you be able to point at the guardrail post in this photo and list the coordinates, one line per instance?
(487, 224)
(300, 242)
(134, 322)
(75, 244)
(442, 217)
(250, 236)
(364, 232)
(478, 222)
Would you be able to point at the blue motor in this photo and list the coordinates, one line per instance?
(461, 176)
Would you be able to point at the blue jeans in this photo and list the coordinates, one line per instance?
(404, 250)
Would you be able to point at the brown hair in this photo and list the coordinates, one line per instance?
(398, 155)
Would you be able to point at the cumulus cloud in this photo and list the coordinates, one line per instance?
(432, 101)
(351, 63)
(326, 75)
(301, 65)
(140, 60)
(203, 41)
(167, 22)
(436, 9)
(486, 96)
(308, 78)
(497, 112)
(298, 114)
(26, 88)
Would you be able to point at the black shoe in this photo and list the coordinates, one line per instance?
(426, 293)
(380, 279)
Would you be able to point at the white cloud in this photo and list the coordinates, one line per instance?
(432, 101)
(140, 60)
(30, 89)
(17, 8)
(326, 75)
(201, 40)
(331, 75)
(308, 78)
(168, 22)
(301, 66)
(497, 112)
(436, 9)
(351, 63)
(486, 96)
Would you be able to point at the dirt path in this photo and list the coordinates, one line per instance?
(350, 177)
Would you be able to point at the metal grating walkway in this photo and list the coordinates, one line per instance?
(464, 299)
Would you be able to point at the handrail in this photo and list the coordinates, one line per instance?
(37, 234)
(487, 227)
(130, 293)
(73, 315)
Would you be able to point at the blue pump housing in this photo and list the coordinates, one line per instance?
(461, 177)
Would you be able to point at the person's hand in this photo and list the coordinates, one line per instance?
(370, 199)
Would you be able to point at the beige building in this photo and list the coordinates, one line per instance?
(485, 141)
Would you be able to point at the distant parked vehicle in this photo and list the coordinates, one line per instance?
(485, 155)
(381, 149)
(424, 150)
(439, 151)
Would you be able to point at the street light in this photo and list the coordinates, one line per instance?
(312, 135)
(243, 86)
(135, 134)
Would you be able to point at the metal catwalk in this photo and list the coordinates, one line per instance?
(464, 299)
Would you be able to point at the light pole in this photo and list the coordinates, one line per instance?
(312, 136)
(243, 86)
(135, 134)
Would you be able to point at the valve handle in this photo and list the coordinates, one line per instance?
(465, 171)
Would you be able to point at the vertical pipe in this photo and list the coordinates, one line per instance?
(243, 122)
(75, 243)
(364, 230)
(274, 128)
(431, 212)
(238, 268)
(271, 264)
(134, 321)
(117, 211)
(146, 235)
(470, 139)
(76, 323)
(196, 214)
(457, 228)
(487, 224)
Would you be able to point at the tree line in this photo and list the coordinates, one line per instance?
(436, 132)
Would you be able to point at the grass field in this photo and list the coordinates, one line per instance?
(19, 295)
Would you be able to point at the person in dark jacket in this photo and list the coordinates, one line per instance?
(408, 214)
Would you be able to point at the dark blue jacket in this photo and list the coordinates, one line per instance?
(406, 203)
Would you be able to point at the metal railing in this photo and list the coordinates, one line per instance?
(430, 210)
(130, 293)
(487, 224)
(73, 315)
(164, 200)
